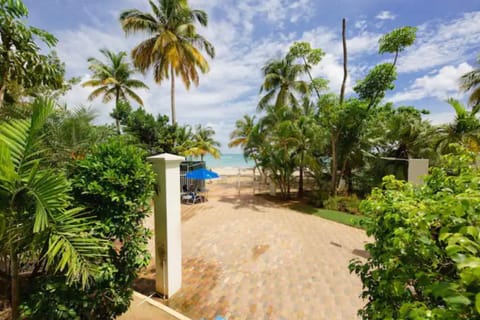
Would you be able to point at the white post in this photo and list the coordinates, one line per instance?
(417, 168)
(168, 228)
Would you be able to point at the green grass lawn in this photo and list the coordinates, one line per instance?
(337, 216)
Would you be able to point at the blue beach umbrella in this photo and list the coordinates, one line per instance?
(202, 174)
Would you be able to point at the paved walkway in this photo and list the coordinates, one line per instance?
(248, 258)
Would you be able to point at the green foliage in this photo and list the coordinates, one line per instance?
(309, 58)
(154, 134)
(425, 260)
(121, 111)
(38, 225)
(356, 221)
(113, 78)
(70, 134)
(115, 183)
(201, 143)
(397, 40)
(21, 62)
(374, 86)
(173, 46)
(464, 130)
(348, 204)
(470, 81)
(303, 50)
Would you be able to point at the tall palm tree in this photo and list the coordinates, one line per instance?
(471, 81)
(112, 79)
(282, 81)
(173, 44)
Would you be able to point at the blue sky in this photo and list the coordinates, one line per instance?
(247, 33)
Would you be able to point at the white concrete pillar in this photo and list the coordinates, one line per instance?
(417, 168)
(168, 228)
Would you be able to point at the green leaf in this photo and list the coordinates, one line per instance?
(458, 299)
(477, 302)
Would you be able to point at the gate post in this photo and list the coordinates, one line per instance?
(168, 228)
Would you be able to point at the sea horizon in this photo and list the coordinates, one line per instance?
(228, 160)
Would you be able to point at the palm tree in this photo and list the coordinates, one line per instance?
(203, 143)
(304, 130)
(40, 227)
(277, 149)
(69, 134)
(241, 134)
(112, 79)
(281, 80)
(173, 45)
(471, 81)
(465, 129)
(183, 139)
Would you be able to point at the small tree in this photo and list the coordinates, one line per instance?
(425, 260)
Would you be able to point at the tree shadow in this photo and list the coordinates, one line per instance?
(248, 201)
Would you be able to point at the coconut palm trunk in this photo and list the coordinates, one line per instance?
(172, 94)
(300, 178)
(15, 282)
(117, 121)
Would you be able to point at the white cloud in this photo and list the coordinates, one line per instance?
(443, 43)
(441, 85)
(361, 24)
(385, 15)
(440, 117)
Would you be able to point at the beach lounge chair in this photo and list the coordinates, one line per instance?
(189, 196)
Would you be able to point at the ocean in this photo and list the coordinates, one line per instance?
(231, 160)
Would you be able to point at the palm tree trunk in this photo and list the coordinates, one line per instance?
(117, 122)
(15, 283)
(6, 62)
(343, 173)
(334, 165)
(172, 94)
(300, 179)
(3, 88)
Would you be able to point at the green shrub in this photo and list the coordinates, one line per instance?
(115, 184)
(425, 260)
(348, 204)
(318, 197)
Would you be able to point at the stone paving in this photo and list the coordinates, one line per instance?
(247, 258)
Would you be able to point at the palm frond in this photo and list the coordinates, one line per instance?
(71, 249)
(134, 96)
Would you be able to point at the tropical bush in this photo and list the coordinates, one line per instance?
(348, 204)
(425, 260)
(41, 233)
(115, 183)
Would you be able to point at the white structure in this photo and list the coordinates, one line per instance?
(417, 168)
(168, 228)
